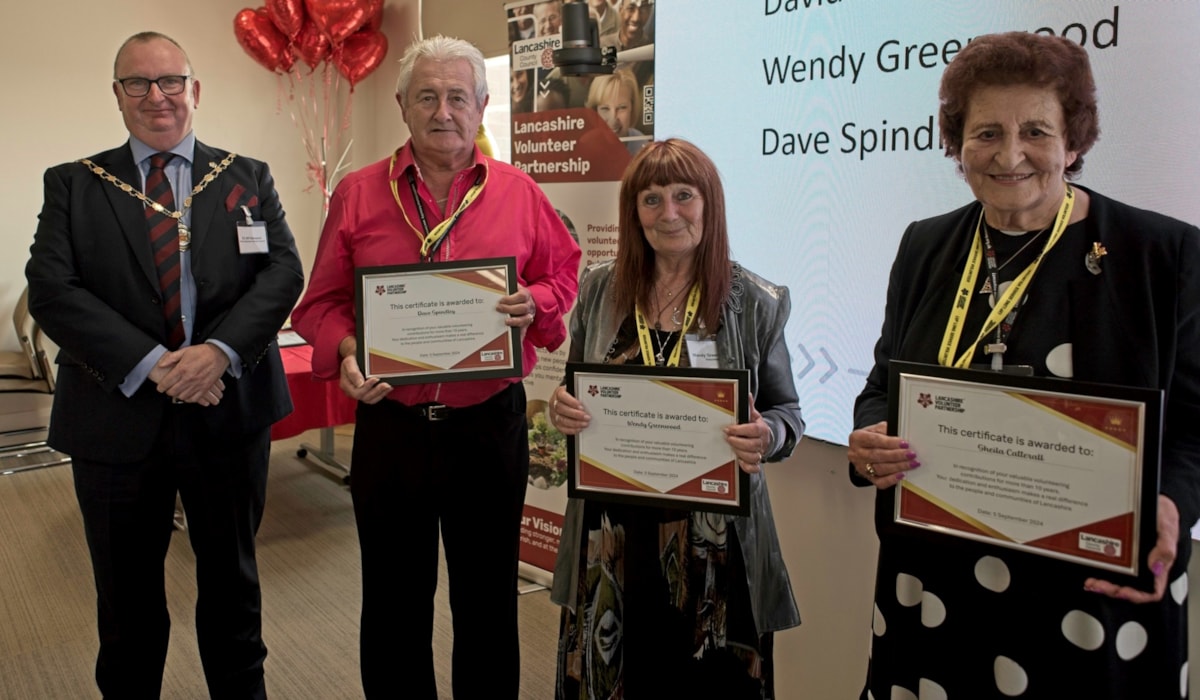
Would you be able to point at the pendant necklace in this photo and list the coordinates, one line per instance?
(674, 319)
(659, 359)
(674, 309)
(987, 282)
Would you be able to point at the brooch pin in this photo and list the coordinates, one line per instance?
(1092, 260)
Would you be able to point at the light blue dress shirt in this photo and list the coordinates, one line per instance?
(179, 174)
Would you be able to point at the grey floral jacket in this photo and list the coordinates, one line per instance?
(751, 336)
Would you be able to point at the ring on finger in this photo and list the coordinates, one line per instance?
(870, 470)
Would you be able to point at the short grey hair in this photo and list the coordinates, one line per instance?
(443, 48)
(145, 38)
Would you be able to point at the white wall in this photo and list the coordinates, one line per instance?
(828, 538)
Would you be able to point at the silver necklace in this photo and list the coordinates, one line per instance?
(674, 318)
(1022, 249)
(987, 283)
(659, 359)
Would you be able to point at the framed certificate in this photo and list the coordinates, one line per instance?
(656, 436)
(436, 322)
(1057, 468)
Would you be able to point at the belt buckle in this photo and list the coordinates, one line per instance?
(437, 412)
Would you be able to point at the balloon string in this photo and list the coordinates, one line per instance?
(342, 127)
(323, 122)
(300, 117)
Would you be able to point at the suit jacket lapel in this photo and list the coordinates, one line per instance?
(129, 210)
(1105, 346)
(204, 205)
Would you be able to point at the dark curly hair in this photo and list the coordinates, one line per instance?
(1022, 58)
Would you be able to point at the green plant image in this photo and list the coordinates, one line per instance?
(547, 454)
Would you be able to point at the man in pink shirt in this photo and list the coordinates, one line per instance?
(450, 457)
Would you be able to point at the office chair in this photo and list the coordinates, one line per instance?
(29, 370)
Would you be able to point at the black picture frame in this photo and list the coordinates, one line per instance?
(388, 280)
(1148, 405)
(583, 477)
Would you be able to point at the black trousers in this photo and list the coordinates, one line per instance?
(464, 476)
(128, 511)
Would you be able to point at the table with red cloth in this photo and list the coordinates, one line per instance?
(318, 404)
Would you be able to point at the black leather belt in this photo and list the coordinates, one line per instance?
(434, 412)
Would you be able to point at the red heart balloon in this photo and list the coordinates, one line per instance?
(286, 59)
(261, 40)
(337, 19)
(311, 44)
(288, 16)
(374, 16)
(361, 54)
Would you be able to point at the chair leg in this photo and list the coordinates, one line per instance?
(22, 431)
(180, 516)
(12, 464)
(28, 453)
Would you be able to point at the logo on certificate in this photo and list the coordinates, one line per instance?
(1108, 546)
(714, 486)
(953, 404)
(491, 356)
(925, 400)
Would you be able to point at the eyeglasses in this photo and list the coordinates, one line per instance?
(167, 85)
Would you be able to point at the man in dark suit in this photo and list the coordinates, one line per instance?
(166, 304)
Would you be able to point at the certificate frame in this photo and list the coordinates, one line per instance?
(399, 309)
(1053, 467)
(688, 469)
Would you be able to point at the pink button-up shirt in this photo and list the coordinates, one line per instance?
(366, 227)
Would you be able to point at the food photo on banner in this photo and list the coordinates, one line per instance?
(573, 131)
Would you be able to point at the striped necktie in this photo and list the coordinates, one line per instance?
(164, 242)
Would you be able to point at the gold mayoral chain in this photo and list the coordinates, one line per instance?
(185, 235)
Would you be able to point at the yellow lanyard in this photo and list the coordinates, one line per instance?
(430, 240)
(1007, 302)
(643, 329)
